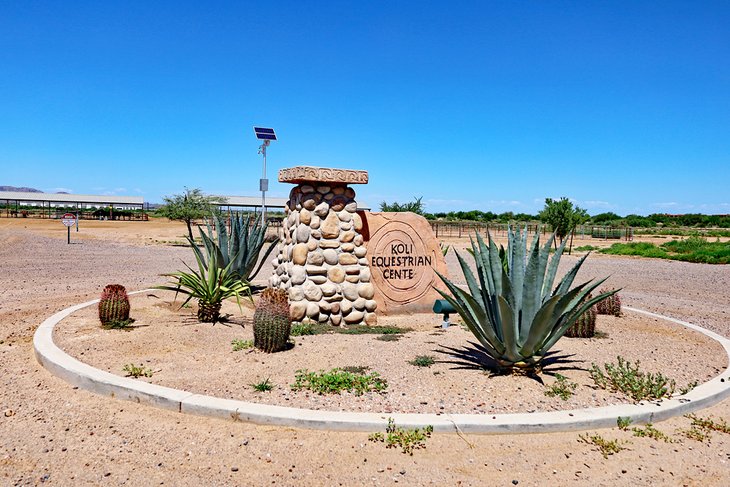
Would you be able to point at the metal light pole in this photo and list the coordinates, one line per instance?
(266, 135)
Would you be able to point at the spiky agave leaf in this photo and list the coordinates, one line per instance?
(240, 248)
(510, 305)
(210, 283)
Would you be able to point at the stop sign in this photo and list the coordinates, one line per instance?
(69, 219)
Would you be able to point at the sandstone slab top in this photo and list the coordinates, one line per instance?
(307, 174)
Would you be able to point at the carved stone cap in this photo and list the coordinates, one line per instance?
(305, 174)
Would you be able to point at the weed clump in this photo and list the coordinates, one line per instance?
(239, 345)
(263, 386)
(137, 371)
(423, 361)
(606, 447)
(406, 439)
(337, 380)
(561, 388)
(629, 380)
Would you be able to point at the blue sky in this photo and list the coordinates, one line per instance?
(621, 106)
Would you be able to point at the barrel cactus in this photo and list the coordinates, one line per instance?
(113, 305)
(610, 306)
(271, 321)
(584, 326)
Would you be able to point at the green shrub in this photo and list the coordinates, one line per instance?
(693, 249)
(239, 345)
(137, 371)
(561, 388)
(338, 380)
(263, 386)
(649, 431)
(709, 424)
(623, 423)
(629, 380)
(302, 329)
(423, 361)
(606, 447)
(406, 439)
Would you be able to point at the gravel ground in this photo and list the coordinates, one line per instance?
(184, 354)
(51, 433)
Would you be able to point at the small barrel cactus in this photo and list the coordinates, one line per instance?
(610, 306)
(271, 321)
(584, 326)
(113, 305)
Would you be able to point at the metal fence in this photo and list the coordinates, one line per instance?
(444, 229)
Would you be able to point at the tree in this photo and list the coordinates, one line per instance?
(562, 216)
(192, 205)
(413, 206)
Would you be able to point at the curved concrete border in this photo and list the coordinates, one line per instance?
(82, 375)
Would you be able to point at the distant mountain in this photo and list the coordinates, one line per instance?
(20, 190)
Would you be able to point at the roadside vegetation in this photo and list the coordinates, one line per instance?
(691, 249)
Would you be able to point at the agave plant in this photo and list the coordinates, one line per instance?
(240, 250)
(513, 309)
(210, 285)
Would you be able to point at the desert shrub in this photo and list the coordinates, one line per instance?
(338, 380)
(137, 371)
(406, 439)
(239, 345)
(263, 386)
(423, 361)
(606, 447)
(561, 388)
(302, 329)
(629, 380)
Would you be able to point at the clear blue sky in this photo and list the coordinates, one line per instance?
(621, 106)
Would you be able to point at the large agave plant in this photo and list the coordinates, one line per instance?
(240, 250)
(210, 285)
(513, 309)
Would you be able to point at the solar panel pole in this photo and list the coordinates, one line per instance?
(263, 183)
(265, 135)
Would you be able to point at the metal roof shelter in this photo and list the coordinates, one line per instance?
(47, 201)
(86, 199)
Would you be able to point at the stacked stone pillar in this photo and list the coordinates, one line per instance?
(322, 259)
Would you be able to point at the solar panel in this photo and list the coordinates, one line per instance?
(264, 133)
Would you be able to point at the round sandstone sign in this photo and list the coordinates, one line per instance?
(401, 263)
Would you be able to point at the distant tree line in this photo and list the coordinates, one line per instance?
(697, 220)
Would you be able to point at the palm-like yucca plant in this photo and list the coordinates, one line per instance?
(240, 250)
(513, 309)
(210, 285)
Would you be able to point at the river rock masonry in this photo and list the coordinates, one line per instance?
(322, 260)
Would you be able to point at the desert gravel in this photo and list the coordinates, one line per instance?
(54, 434)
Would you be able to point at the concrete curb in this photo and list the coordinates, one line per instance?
(82, 375)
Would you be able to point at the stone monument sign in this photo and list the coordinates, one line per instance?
(339, 265)
(322, 255)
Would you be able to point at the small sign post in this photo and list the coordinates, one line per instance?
(69, 220)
